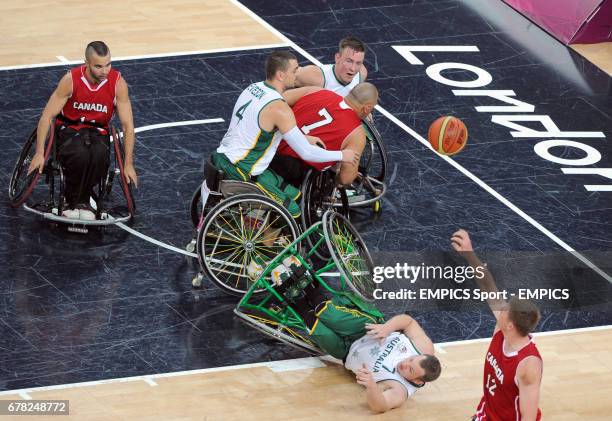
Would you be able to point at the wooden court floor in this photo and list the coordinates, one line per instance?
(577, 386)
(578, 366)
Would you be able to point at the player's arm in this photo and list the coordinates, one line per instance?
(310, 75)
(408, 326)
(293, 95)
(363, 74)
(54, 106)
(461, 242)
(529, 376)
(382, 396)
(124, 110)
(355, 142)
(279, 115)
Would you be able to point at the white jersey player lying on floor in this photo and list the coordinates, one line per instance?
(392, 359)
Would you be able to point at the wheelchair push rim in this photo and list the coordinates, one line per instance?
(22, 184)
(242, 232)
(350, 254)
(126, 187)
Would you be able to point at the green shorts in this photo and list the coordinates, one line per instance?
(340, 322)
(268, 181)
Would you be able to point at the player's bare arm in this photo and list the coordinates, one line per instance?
(355, 142)
(124, 110)
(310, 75)
(381, 396)
(462, 244)
(363, 74)
(529, 377)
(52, 109)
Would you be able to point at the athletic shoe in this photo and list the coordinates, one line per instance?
(71, 213)
(86, 215)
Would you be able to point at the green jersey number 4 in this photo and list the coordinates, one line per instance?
(240, 111)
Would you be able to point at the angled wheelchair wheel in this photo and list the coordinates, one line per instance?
(278, 331)
(350, 254)
(242, 232)
(373, 161)
(126, 188)
(319, 194)
(22, 184)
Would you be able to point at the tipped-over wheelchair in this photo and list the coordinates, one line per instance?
(48, 199)
(268, 305)
(238, 225)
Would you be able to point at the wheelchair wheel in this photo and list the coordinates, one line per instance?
(350, 254)
(280, 332)
(119, 162)
(242, 229)
(22, 184)
(373, 161)
(319, 194)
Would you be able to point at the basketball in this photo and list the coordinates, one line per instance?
(448, 135)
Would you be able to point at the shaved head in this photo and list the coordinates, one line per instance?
(364, 93)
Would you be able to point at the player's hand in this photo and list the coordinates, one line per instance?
(378, 331)
(130, 174)
(350, 157)
(364, 377)
(38, 162)
(460, 241)
(315, 141)
(370, 118)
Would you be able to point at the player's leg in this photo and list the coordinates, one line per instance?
(291, 169)
(272, 185)
(345, 318)
(99, 160)
(230, 170)
(73, 156)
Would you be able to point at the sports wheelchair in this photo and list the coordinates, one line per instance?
(267, 305)
(50, 202)
(238, 226)
(370, 187)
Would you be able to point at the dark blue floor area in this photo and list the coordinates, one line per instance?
(77, 308)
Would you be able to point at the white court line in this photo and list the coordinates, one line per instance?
(63, 60)
(275, 366)
(452, 162)
(177, 124)
(154, 241)
(150, 381)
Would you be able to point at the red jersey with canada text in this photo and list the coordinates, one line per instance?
(89, 102)
(323, 114)
(501, 393)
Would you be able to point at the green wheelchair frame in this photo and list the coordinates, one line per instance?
(334, 241)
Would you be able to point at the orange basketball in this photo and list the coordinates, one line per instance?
(448, 135)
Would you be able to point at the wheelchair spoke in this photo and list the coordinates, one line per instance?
(263, 226)
(236, 238)
(242, 267)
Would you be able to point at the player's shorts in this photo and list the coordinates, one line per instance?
(340, 322)
(268, 181)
